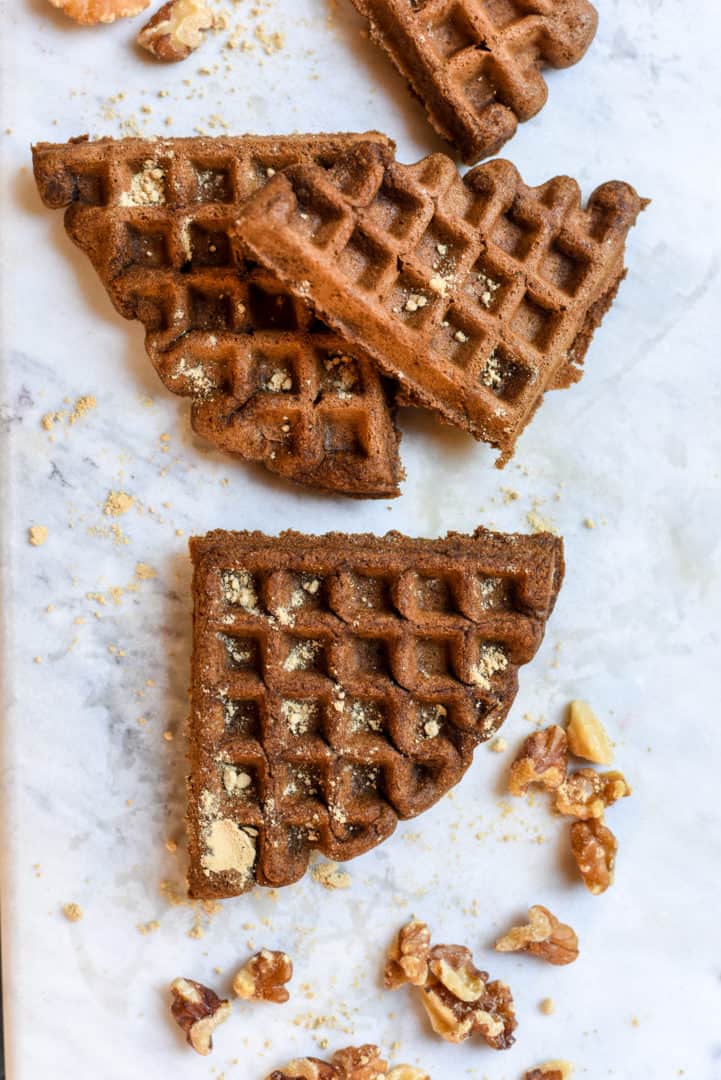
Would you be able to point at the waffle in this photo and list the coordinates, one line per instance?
(342, 682)
(264, 378)
(476, 294)
(476, 64)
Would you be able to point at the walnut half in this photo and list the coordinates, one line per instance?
(354, 1063)
(594, 849)
(544, 936)
(198, 1011)
(543, 759)
(176, 30)
(262, 978)
(458, 998)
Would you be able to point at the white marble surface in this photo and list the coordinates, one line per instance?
(90, 795)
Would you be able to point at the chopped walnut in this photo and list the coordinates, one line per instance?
(552, 1070)
(262, 978)
(176, 30)
(458, 998)
(408, 957)
(544, 936)
(91, 12)
(594, 849)
(587, 737)
(587, 794)
(354, 1063)
(543, 760)
(198, 1011)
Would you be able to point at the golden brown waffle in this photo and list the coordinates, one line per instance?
(476, 294)
(154, 218)
(342, 682)
(476, 64)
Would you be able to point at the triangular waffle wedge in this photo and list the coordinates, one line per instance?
(476, 64)
(342, 682)
(154, 218)
(476, 294)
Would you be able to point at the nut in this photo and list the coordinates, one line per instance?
(594, 849)
(176, 30)
(408, 957)
(460, 1002)
(198, 1011)
(543, 760)
(587, 737)
(544, 936)
(552, 1070)
(91, 12)
(354, 1063)
(262, 977)
(587, 794)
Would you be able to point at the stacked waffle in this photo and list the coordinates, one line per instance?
(298, 288)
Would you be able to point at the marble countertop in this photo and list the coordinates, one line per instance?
(96, 657)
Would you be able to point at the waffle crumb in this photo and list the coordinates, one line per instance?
(330, 876)
(37, 535)
(498, 746)
(83, 405)
(145, 572)
(547, 1006)
(117, 503)
(73, 912)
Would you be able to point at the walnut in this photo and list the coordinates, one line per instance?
(354, 1063)
(262, 977)
(408, 956)
(552, 1070)
(543, 760)
(176, 30)
(587, 737)
(594, 849)
(198, 1011)
(91, 12)
(545, 937)
(587, 794)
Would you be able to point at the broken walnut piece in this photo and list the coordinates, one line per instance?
(407, 960)
(92, 12)
(262, 978)
(354, 1063)
(544, 937)
(457, 997)
(552, 1070)
(543, 759)
(176, 30)
(594, 849)
(587, 737)
(198, 1011)
(587, 794)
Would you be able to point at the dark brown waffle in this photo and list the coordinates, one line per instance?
(342, 682)
(476, 294)
(161, 247)
(476, 64)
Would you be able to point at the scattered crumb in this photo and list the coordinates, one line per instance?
(37, 535)
(145, 572)
(547, 1006)
(117, 503)
(148, 927)
(589, 523)
(498, 746)
(539, 523)
(168, 736)
(72, 912)
(330, 876)
(82, 406)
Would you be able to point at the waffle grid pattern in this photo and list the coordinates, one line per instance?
(347, 681)
(155, 219)
(489, 282)
(476, 64)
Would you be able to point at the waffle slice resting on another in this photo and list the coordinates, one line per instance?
(342, 682)
(476, 294)
(267, 382)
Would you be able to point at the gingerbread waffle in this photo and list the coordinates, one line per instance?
(342, 682)
(476, 294)
(476, 64)
(267, 382)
